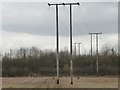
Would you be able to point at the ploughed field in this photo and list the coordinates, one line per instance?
(50, 82)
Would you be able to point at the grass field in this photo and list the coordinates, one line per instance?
(50, 82)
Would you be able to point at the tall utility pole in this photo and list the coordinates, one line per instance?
(97, 67)
(79, 49)
(57, 41)
(71, 62)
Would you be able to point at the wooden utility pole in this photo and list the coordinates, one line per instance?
(97, 57)
(57, 41)
(71, 62)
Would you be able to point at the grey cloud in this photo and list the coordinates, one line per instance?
(39, 18)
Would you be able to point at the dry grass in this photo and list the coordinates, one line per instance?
(49, 82)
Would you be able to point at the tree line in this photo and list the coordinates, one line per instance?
(35, 62)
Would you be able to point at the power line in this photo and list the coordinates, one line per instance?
(88, 28)
(44, 1)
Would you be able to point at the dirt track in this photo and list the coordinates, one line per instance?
(49, 82)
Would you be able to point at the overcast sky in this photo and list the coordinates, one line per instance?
(39, 18)
(26, 24)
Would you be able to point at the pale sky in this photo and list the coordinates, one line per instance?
(26, 24)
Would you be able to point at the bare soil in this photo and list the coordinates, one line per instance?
(50, 82)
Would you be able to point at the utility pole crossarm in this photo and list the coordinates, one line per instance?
(71, 3)
(64, 4)
(96, 33)
(55, 4)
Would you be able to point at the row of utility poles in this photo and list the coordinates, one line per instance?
(71, 52)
